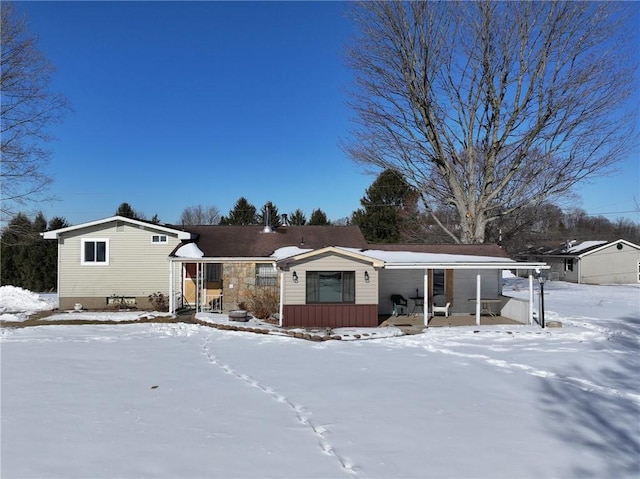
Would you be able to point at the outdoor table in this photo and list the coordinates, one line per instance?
(485, 305)
(418, 304)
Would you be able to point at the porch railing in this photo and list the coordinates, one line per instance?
(212, 303)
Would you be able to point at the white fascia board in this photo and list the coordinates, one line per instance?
(55, 234)
(226, 259)
(498, 265)
(606, 245)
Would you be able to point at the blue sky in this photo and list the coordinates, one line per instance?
(185, 103)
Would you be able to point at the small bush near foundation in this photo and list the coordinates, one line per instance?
(264, 303)
(159, 301)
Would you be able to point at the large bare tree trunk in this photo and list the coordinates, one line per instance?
(490, 107)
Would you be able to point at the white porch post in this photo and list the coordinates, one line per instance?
(281, 298)
(171, 291)
(478, 295)
(425, 302)
(531, 299)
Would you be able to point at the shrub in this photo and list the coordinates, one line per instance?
(159, 301)
(264, 303)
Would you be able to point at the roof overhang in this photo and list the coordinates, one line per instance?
(55, 234)
(469, 265)
(284, 262)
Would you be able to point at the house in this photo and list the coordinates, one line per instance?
(113, 260)
(318, 276)
(589, 262)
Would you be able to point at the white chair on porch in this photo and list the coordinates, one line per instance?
(440, 304)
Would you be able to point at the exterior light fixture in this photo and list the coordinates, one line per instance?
(542, 279)
(366, 277)
(295, 277)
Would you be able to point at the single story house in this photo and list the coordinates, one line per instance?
(320, 276)
(589, 262)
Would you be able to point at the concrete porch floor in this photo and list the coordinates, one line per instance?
(413, 324)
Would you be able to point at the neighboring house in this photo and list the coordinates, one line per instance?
(113, 260)
(321, 276)
(590, 262)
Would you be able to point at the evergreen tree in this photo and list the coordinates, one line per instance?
(297, 218)
(126, 210)
(274, 217)
(243, 213)
(318, 218)
(383, 215)
(28, 260)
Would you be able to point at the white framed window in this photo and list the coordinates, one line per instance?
(159, 239)
(568, 264)
(638, 271)
(95, 251)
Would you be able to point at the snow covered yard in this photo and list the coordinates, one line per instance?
(187, 401)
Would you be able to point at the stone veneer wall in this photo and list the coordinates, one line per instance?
(239, 284)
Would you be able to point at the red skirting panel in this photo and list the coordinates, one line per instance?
(331, 315)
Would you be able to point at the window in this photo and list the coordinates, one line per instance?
(331, 287)
(159, 239)
(266, 275)
(438, 282)
(212, 272)
(638, 271)
(568, 264)
(95, 251)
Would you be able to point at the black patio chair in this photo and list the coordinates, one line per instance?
(399, 302)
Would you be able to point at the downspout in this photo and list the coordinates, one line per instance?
(171, 292)
(281, 309)
(531, 299)
(425, 303)
(478, 290)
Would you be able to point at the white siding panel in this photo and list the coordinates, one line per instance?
(136, 266)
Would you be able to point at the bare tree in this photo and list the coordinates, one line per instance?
(490, 107)
(200, 215)
(28, 108)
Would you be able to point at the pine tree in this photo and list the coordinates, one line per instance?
(274, 217)
(318, 218)
(297, 218)
(243, 213)
(126, 210)
(387, 201)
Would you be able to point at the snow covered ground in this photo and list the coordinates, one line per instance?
(188, 401)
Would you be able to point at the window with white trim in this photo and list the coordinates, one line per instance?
(95, 251)
(159, 239)
(568, 264)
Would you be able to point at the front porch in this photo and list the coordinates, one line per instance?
(416, 321)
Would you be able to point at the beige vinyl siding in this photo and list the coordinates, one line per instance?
(610, 266)
(137, 267)
(366, 293)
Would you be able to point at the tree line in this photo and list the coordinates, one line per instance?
(389, 212)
